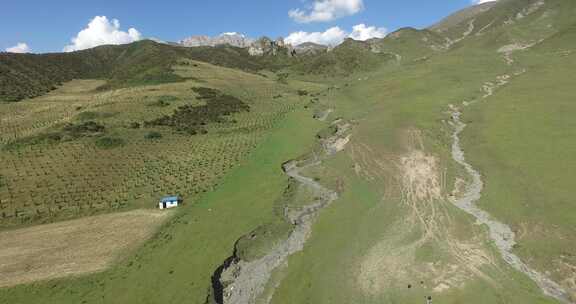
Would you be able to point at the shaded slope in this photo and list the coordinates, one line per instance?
(144, 62)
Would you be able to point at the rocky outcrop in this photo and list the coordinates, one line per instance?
(263, 46)
(339, 140)
(266, 46)
(233, 39)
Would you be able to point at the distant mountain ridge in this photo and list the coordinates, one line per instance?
(142, 62)
(257, 47)
(511, 25)
(232, 39)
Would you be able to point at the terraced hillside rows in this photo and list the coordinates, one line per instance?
(49, 173)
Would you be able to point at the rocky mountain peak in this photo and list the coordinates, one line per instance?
(230, 38)
(267, 46)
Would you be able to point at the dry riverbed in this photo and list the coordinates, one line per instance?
(242, 282)
(501, 234)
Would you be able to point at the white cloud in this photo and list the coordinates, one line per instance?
(331, 36)
(326, 10)
(335, 35)
(363, 32)
(482, 1)
(102, 31)
(20, 47)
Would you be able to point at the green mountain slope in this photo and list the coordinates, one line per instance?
(408, 44)
(401, 230)
(349, 57)
(144, 62)
(460, 17)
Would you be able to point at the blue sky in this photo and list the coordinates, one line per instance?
(48, 26)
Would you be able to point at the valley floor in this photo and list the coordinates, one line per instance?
(444, 179)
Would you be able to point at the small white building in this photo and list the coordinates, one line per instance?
(169, 202)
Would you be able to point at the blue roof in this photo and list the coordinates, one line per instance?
(170, 199)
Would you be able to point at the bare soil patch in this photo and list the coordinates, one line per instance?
(394, 260)
(73, 247)
(420, 177)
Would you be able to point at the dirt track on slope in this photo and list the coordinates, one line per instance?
(392, 260)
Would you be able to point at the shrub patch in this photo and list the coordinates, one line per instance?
(192, 119)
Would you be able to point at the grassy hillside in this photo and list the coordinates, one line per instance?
(186, 252)
(139, 63)
(461, 16)
(349, 57)
(383, 247)
(409, 44)
(29, 75)
(398, 232)
(89, 152)
(148, 63)
(523, 140)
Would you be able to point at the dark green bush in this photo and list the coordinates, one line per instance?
(191, 119)
(83, 129)
(164, 100)
(153, 135)
(87, 115)
(135, 125)
(109, 142)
